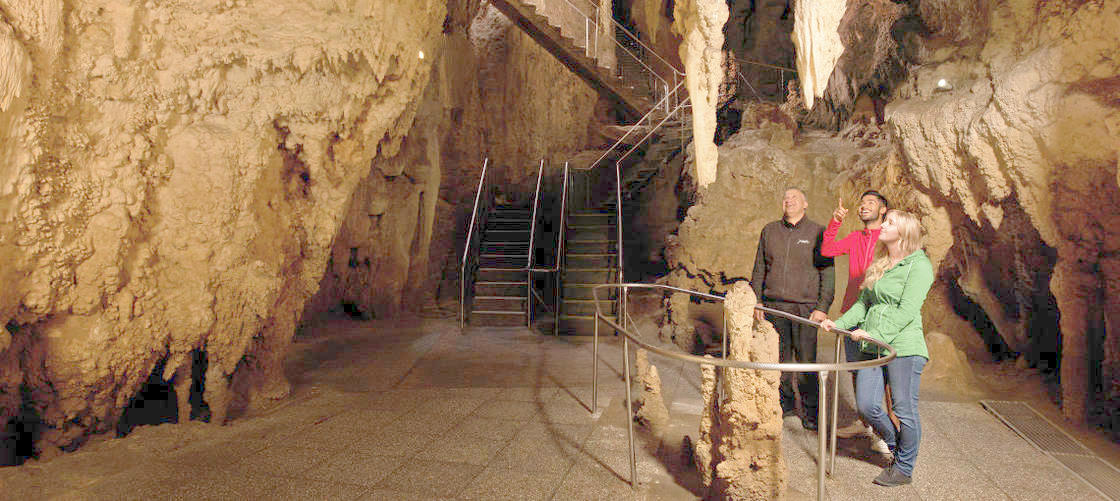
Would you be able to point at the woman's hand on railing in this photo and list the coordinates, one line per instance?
(828, 325)
(860, 335)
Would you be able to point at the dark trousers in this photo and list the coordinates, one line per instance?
(797, 342)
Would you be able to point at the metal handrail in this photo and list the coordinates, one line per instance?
(821, 369)
(634, 127)
(467, 247)
(560, 248)
(532, 244)
(589, 21)
(635, 38)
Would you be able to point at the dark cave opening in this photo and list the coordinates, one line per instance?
(979, 319)
(154, 404)
(19, 434)
(157, 402)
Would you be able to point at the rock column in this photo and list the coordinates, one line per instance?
(740, 446)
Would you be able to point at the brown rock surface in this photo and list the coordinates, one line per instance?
(739, 452)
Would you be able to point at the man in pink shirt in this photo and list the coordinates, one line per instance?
(860, 249)
(858, 245)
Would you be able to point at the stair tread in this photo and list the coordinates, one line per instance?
(498, 312)
(520, 298)
(481, 282)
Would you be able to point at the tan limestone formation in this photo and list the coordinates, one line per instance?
(172, 179)
(742, 443)
(817, 39)
(1029, 123)
(700, 25)
(649, 407)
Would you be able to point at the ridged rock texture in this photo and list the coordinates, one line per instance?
(740, 445)
(700, 25)
(817, 38)
(173, 176)
(399, 247)
(1021, 149)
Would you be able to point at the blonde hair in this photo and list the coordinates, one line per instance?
(910, 240)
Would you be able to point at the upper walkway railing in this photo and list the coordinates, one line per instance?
(656, 76)
(822, 370)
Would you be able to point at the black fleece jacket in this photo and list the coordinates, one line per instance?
(789, 267)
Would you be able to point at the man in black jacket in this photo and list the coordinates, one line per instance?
(790, 275)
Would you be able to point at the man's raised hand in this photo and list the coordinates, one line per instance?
(840, 212)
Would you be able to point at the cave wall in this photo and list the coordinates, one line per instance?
(1022, 152)
(174, 176)
(1012, 164)
(398, 249)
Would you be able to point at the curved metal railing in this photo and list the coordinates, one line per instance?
(822, 370)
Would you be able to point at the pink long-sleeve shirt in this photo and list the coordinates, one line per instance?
(860, 248)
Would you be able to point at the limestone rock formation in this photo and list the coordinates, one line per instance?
(741, 431)
(649, 407)
(817, 38)
(173, 177)
(399, 246)
(700, 24)
(1025, 143)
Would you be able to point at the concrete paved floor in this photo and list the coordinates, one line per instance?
(415, 410)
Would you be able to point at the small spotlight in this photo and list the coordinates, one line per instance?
(422, 57)
(944, 85)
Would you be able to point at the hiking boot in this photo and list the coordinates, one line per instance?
(809, 423)
(891, 477)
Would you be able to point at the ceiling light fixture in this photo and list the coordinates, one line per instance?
(422, 55)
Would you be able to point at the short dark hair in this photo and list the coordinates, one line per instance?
(877, 195)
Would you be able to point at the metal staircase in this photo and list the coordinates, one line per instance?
(581, 35)
(501, 284)
(498, 261)
(590, 259)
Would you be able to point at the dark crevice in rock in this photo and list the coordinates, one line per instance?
(154, 404)
(19, 434)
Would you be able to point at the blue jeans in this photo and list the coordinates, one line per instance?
(904, 375)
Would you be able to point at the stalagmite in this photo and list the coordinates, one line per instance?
(700, 24)
(741, 430)
(650, 406)
(818, 44)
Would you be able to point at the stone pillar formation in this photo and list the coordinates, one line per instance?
(739, 452)
(700, 25)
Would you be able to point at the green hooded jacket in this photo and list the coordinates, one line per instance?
(891, 310)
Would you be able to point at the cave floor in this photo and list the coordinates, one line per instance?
(415, 410)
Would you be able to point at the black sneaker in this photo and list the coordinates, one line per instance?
(891, 477)
(809, 424)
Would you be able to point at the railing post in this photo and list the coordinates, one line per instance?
(822, 424)
(629, 412)
(835, 409)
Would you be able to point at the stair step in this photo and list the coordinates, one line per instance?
(500, 288)
(497, 318)
(600, 276)
(500, 303)
(584, 291)
(505, 236)
(491, 274)
(587, 306)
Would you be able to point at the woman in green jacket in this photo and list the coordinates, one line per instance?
(889, 309)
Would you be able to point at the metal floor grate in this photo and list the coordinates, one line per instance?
(1050, 439)
(1028, 423)
(1095, 471)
